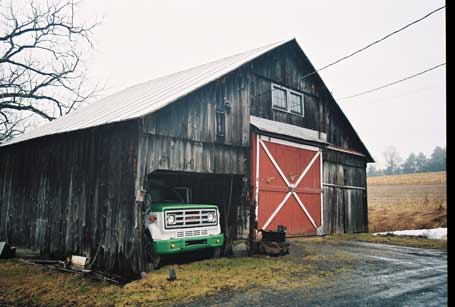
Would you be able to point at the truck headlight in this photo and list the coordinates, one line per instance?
(211, 217)
(170, 219)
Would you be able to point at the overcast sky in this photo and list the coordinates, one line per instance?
(141, 40)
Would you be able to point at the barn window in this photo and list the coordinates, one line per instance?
(279, 98)
(287, 100)
(295, 103)
(220, 123)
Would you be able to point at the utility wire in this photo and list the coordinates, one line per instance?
(404, 94)
(391, 83)
(374, 43)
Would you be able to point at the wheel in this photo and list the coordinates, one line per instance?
(154, 264)
(148, 246)
(152, 260)
(216, 252)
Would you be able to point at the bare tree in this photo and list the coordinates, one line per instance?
(392, 160)
(41, 76)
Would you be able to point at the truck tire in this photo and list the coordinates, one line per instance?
(156, 262)
(148, 246)
(216, 252)
(152, 261)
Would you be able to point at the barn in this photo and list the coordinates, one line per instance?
(258, 133)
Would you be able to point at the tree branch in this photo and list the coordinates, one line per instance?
(40, 63)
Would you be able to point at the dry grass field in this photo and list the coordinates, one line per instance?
(412, 201)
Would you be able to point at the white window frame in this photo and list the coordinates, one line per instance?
(288, 96)
(291, 92)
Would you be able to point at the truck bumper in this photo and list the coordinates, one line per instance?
(175, 246)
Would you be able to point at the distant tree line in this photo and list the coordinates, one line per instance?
(415, 163)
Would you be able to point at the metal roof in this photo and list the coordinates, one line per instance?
(144, 98)
(268, 125)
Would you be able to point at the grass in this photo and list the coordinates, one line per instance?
(26, 284)
(412, 201)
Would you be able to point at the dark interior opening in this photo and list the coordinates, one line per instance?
(228, 192)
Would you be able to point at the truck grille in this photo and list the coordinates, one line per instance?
(191, 233)
(190, 218)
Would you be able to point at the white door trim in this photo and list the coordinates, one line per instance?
(277, 167)
(288, 143)
(305, 210)
(259, 141)
(307, 169)
(277, 209)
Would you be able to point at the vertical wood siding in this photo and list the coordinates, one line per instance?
(73, 195)
(193, 117)
(287, 66)
(345, 207)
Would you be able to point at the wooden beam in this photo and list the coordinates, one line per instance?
(343, 186)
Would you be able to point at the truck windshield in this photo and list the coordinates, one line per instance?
(163, 194)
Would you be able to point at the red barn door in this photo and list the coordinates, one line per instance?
(287, 185)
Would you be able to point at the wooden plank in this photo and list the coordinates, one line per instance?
(344, 186)
(61, 194)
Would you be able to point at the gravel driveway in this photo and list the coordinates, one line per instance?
(382, 275)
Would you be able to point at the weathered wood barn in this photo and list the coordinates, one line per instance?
(257, 133)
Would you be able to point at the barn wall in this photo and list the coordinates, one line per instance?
(73, 194)
(179, 154)
(182, 138)
(193, 117)
(344, 192)
(287, 66)
(282, 67)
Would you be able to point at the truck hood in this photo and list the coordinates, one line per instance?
(160, 207)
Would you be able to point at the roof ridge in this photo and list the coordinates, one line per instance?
(217, 60)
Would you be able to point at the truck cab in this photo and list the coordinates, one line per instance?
(174, 225)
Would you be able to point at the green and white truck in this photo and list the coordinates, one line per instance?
(175, 226)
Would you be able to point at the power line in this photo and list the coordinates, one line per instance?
(404, 94)
(392, 83)
(375, 42)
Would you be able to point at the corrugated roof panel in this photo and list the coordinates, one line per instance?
(145, 98)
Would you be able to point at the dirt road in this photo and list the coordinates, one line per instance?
(382, 275)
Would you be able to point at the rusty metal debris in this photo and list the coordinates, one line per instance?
(273, 248)
(73, 265)
(273, 243)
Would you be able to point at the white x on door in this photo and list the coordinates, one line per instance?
(287, 185)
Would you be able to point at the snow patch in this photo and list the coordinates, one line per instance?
(435, 233)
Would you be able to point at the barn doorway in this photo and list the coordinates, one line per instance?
(226, 191)
(287, 185)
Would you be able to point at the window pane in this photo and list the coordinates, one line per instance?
(295, 103)
(220, 123)
(279, 98)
